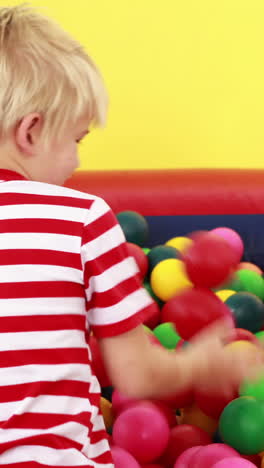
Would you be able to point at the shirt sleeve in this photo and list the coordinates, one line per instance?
(116, 300)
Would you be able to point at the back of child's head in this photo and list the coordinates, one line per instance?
(43, 69)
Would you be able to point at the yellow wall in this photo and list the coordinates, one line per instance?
(186, 80)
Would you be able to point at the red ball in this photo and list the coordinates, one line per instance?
(239, 334)
(140, 257)
(209, 261)
(152, 319)
(213, 404)
(143, 431)
(181, 438)
(167, 412)
(98, 366)
(152, 465)
(193, 310)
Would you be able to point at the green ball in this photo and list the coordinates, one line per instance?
(253, 389)
(241, 425)
(146, 250)
(260, 335)
(234, 285)
(247, 310)
(252, 282)
(148, 287)
(135, 227)
(160, 253)
(167, 335)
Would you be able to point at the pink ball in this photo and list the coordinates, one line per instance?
(123, 459)
(185, 458)
(233, 238)
(235, 462)
(120, 402)
(207, 456)
(143, 431)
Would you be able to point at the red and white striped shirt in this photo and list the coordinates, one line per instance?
(64, 269)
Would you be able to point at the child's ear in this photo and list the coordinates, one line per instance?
(28, 133)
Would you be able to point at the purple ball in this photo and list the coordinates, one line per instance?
(235, 462)
(123, 459)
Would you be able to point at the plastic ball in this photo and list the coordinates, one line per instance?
(159, 253)
(241, 425)
(180, 243)
(148, 287)
(234, 284)
(183, 461)
(233, 238)
(152, 318)
(143, 431)
(209, 261)
(122, 458)
(194, 416)
(224, 294)
(121, 402)
(253, 389)
(236, 462)
(249, 266)
(206, 457)
(167, 335)
(134, 226)
(169, 278)
(247, 310)
(239, 334)
(152, 465)
(193, 310)
(212, 404)
(107, 412)
(260, 336)
(252, 282)
(140, 258)
(183, 437)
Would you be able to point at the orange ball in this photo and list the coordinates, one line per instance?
(107, 412)
(194, 416)
(249, 266)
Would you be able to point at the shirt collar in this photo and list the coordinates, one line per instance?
(6, 174)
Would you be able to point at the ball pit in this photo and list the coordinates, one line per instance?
(191, 429)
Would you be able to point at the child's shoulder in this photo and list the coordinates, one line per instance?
(60, 194)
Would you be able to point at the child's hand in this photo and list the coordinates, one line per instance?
(217, 368)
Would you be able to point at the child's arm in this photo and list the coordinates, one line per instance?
(142, 370)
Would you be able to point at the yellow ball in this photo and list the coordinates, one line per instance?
(169, 278)
(180, 243)
(224, 294)
(194, 416)
(236, 346)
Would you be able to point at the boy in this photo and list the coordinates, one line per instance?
(64, 268)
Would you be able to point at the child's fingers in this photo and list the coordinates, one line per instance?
(219, 330)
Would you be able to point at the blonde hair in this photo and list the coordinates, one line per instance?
(43, 69)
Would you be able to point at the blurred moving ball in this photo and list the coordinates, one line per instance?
(134, 226)
(194, 310)
(210, 261)
(233, 238)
